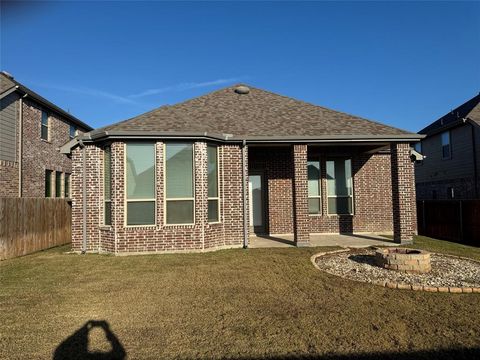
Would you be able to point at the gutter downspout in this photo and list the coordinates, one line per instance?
(84, 197)
(475, 170)
(20, 146)
(244, 194)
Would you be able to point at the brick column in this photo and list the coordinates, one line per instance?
(403, 194)
(201, 188)
(300, 196)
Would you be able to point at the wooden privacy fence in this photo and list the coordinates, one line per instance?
(454, 220)
(31, 224)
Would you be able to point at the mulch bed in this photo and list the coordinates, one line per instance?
(359, 265)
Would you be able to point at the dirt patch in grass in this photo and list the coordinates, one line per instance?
(257, 303)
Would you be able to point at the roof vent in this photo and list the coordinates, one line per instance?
(7, 74)
(242, 89)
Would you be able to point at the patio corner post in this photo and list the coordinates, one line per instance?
(403, 194)
(300, 195)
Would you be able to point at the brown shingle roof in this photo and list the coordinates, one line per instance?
(258, 113)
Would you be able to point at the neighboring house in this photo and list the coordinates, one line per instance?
(206, 173)
(32, 130)
(450, 169)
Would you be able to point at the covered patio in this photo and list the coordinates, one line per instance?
(342, 240)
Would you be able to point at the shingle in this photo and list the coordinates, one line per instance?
(258, 113)
(469, 109)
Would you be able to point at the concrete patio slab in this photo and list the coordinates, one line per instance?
(342, 240)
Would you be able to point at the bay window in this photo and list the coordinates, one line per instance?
(339, 186)
(140, 177)
(213, 197)
(314, 187)
(179, 183)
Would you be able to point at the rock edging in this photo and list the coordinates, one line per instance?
(402, 286)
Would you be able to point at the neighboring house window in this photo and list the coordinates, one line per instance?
(140, 184)
(434, 194)
(45, 126)
(213, 198)
(418, 147)
(339, 186)
(314, 187)
(67, 185)
(48, 183)
(179, 185)
(58, 184)
(73, 131)
(107, 185)
(446, 148)
(450, 193)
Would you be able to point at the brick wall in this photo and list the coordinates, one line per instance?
(119, 238)
(403, 193)
(8, 178)
(372, 180)
(37, 155)
(372, 191)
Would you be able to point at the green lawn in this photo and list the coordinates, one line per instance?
(239, 304)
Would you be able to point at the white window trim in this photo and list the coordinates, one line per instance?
(217, 198)
(165, 199)
(319, 196)
(125, 196)
(342, 196)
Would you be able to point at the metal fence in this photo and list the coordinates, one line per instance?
(31, 224)
(453, 220)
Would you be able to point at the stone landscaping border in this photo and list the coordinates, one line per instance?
(402, 286)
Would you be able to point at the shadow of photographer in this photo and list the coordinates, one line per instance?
(76, 346)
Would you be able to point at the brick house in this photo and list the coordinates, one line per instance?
(209, 172)
(451, 168)
(32, 130)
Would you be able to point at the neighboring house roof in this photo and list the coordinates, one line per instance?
(255, 114)
(469, 110)
(8, 85)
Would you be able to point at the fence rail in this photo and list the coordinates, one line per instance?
(454, 220)
(31, 224)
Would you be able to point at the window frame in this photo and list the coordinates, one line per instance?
(47, 125)
(58, 184)
(418, 147)
(105, 201)
(449, 144)
(75, 131)
(165, 199)
(217, 198)
(49, 176)
(67, 181)
(319, 196)
(342, 196)
(126, 200)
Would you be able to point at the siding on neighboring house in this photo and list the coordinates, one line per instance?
(437, 175)
(37, 155)
(8, 127)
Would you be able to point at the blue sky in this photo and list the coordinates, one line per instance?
(404, 64)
